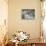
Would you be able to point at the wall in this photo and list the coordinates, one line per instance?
(15, 21)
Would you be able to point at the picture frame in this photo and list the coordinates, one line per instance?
(28, 14)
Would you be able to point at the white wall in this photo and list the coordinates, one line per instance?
(15, 21)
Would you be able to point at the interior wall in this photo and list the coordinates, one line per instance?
(16, 23)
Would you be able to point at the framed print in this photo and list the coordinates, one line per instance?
(28, 14)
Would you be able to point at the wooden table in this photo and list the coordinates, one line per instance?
(33, 42)
(10, 44)
(40, 44)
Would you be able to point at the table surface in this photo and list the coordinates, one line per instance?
(33, 41)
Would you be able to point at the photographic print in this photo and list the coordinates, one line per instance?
(28, 13)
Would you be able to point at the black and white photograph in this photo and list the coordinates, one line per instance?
(28, 13)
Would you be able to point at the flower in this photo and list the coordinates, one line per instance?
(21, 36)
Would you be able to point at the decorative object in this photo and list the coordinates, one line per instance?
(20, 36)
(23, 36)
(28, 14)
